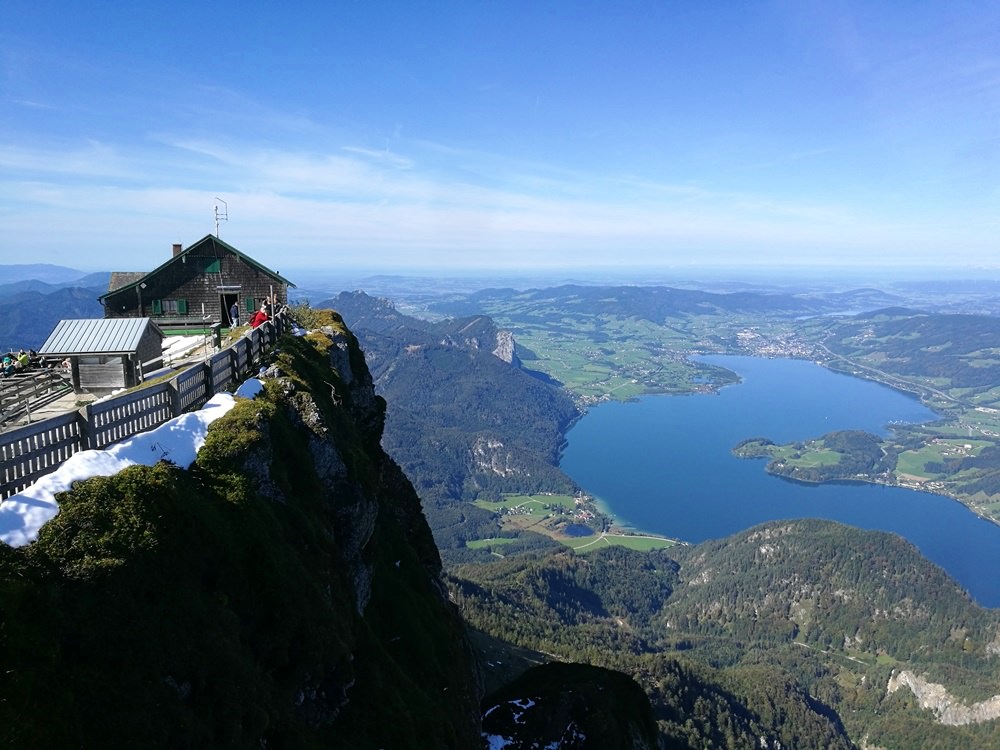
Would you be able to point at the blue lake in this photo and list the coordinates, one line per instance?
(664, 464)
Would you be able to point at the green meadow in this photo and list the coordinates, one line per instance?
(639, 543)
(548, 514)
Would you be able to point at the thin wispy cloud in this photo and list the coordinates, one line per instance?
(385, 157)
(355, 199)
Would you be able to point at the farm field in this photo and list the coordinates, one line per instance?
(637, 542)
(614, 343)
(555, 516)
(914, 462)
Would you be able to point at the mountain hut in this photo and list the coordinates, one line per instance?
(196, 289)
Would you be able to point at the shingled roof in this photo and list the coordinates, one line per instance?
(129, 279)
(120, 279)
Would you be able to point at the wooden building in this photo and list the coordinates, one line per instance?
(106, 354)
(197, 287)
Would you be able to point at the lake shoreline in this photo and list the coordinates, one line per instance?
(664, 466)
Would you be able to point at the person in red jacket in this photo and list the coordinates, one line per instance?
(257, 318)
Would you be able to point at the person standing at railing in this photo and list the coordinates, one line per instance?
(258, 317)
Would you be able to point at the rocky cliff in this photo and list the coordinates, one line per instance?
(283, 592)
(465, 420)
(947, 708)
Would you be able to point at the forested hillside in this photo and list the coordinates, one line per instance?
(775, 632)
(959, 351)
(463, 421)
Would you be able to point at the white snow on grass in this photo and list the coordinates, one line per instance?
(178, 440)
(175, 347)
(496, 741)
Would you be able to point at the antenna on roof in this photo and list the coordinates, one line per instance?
(222, 215)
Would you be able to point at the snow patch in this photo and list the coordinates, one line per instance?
(496, 741)
(177, 440)
(175, 347)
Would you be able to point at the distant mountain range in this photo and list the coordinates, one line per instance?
(34, 297)
(48, 273)
(659, 303)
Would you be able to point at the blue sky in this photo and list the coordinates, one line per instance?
(518, 135)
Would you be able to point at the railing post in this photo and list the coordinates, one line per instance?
(86, 428)
(206, 368)
(175, 397)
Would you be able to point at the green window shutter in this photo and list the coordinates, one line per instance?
(251, 307)
(182, 307)
(213, 266)
(157, 307)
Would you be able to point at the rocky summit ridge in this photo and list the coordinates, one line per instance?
(283, 592)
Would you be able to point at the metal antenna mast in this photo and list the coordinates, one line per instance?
(222, 215)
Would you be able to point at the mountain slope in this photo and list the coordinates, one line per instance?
(780, 632)
(28, 317)
(283, 592)
(464, 420)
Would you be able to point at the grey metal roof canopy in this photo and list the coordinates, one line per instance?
(97, 336)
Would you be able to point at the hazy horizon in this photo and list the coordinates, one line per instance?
(751, 275)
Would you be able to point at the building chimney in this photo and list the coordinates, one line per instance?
(177, 249)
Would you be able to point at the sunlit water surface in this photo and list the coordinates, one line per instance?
(664, 464)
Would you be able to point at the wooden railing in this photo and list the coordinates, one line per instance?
(22, 393)
(30, 452)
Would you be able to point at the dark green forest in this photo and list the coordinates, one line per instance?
(788, 629)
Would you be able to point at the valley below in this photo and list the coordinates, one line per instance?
(616, 345)
(625, 348)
